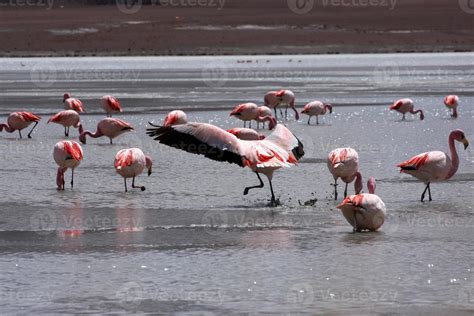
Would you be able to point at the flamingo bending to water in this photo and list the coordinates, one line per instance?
(365, 211)
(273, 99)
(248, 112)
(71, 103)
(246, 133)
(67, 154)
(316, 108)
(67, 118)
(451, 102)
(263, 111)
(175, 117)
(435, 166)
(17, 121)
(109, 127)
(110, 104)
(344, 163)
(130, 163)
(404, 106)
(280, 149)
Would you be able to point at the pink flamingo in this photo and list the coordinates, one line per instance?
(451, 102)
(316, 108)
(67, 154)
(263, 111)
(72, 103)
(129, 163)
(248, 112)
(175, 117)
(17, 121)
(404, 106)
(280, 149)
(67, 118)
(273, 99)
(344, 163)
(435, 166)
(109, 127)
(365, 211)
(246, 134)
(110, 105)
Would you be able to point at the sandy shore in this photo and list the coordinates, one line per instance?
(234, 27)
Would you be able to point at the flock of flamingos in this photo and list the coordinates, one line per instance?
(247, 148)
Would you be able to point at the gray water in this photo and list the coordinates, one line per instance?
(192, 243)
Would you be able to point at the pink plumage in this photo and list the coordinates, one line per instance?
(17, 121)
(130, 163)
(344, 163)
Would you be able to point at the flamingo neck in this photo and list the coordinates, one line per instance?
(454, 158)
(6, 127)
(81, 129)
(149, 164)
(270, 119)
(422, 115)
(297, 115)
(358, 183)
(97, 134)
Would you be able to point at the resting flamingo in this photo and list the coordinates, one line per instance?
(435, 166)
(71, 103)
(273, 99)
(404, 106)
(316, 108)
(109, 127)
(263, 111)
(280, 149)
(249, 111)
(17, 121)
(175, 117)
(246, 133)
(344, 163)
(67, 154)
(110, 104)
(365, 211)
(67, 118)
(451, 102)
(130, 162)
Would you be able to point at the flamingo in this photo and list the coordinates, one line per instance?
(67, 118)
(435, 166)
(451, 102)
(316, 108)
(175, 117)
(130, 163)
(110, 104)
(273, 99)
(365, 211)
(109, 127)
(280, 149)
(404, 106)
(246, 134)
(17, 121)
(263, 111)
(72, 103)
(248, 112)
(344, 163)
(67, 154)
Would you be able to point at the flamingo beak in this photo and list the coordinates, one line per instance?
(465, 142)
(149, 172)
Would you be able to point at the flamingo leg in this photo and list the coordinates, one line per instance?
(355, 222)
(250, 124)
(245, 124)
(273, 202)
(137, 187)
(29, 134)
(19, 132)
(125, 182)
(72, 179)
(261, 185)
(309, 118)
(286, 112)
(281, 112)
(403, 117)
(345, 190)
(317, 120)
(275, 110)
(111, 143)
(335, 189)
(427, 188)
(429, 192)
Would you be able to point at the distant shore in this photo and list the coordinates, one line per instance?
(234, 28)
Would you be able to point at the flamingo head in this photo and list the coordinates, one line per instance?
(272, 122)
(149, 164)
(82, 137)
(66, 96)
(459, 136)
(328, 106)
(371, 185)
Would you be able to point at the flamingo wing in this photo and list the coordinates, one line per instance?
(201, 139)
(55, 118)
(74, 150)
(124, 159)
(122, 124)
(414, 163)
(29, 117)
(284, 138)
(238, 109)
(114, 103)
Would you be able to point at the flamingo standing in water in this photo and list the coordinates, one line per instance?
(109, 127)
(263, 111)
(451, 102)
(435, 166)
(344, 163)
(72, 103)
(365, 211)
(246, 133)
(110, 104)
(280, 149)
(273, 99)
(130, 163)
(17, 121)
(248, 112)
(175, 117)
(316, 108)
(404, 106)
(67, 154)
(67, 118)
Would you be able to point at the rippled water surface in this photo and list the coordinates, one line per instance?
(192, 243)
